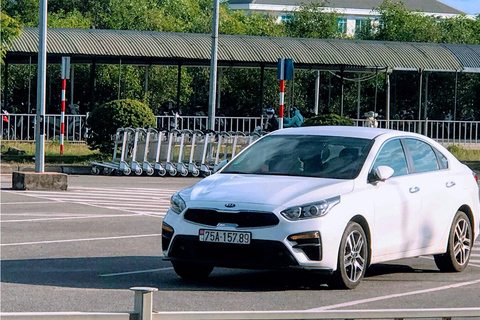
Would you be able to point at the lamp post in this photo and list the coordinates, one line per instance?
(213, 68)
(41, 89)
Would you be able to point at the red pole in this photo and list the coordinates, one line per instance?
(62, 120)
(282, 97)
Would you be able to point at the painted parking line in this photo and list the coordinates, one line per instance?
(73, 218)
(145, 201)
(79, 240)
(134, 272)
(397, 295)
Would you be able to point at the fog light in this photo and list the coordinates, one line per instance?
(304, 236)
(309, 243)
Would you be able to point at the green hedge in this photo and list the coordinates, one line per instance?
(328, 120)
(104, 121)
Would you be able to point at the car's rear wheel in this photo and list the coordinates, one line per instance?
(459, 245)
(192, 271)
(352, 258)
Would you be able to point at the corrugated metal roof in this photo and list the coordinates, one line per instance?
(148, 47)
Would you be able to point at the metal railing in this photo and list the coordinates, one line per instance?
(22, 127)
(143, 310)
(443, 131)
(243, 124)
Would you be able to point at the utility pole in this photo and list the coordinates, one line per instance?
(41, 89)
(213, 68)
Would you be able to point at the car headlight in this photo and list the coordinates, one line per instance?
(177, 204)
(310, 210)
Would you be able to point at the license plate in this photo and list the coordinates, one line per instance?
(224, 236)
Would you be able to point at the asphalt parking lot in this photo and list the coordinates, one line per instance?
(82, 249)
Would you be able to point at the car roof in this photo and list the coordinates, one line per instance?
(342, 131)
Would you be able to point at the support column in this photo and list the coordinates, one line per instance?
(425, 105)
(262, 89)
(317, 93)
(119, 79)
(93, 71)
(219, 87)
(342, 96)
(179, 82)
(420, 88)
(387, 79)
(455, 97)
(359, 85)
(5, 81)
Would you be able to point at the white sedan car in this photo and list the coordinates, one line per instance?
(329, 199)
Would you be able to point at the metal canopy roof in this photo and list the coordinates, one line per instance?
(167, 48)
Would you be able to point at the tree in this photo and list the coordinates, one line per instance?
(9, 30)
(312, 20)
(71, 19)
(397, 23)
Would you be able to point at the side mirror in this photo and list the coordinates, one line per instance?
(383, 173)
(220, 165)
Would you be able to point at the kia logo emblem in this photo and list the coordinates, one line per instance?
(230, 205)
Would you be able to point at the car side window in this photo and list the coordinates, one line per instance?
(442, 160)
(423, 156)
(392, 155)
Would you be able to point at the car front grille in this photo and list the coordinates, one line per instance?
(259, 254)
(246, 219)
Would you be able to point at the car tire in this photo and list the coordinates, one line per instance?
(352, 258)
(191, 271)
(459, 247)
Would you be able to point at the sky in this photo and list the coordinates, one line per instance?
(467, 6)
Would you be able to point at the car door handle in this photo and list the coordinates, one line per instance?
(414, 189)
(450, 184)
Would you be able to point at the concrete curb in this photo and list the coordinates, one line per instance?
(7, 168)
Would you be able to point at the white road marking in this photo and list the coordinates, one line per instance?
(79, 240)
(73, 218)
(145, 201)
(397, 295)
(134, 272)
(25, 203)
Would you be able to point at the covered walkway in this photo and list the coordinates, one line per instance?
(181, 49)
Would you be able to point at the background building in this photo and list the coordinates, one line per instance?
(355, 12)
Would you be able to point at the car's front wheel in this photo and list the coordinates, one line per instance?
(352, 258)
(191, 271)
(459, 245)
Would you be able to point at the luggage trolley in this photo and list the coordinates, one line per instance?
(173, 138)
(148, 156)
(183, 160)
(240, 141)
(206, 163)
(223, 143)
(196, 151)
(139, 148)
(122, 137)
(161, 152)
(215, 145)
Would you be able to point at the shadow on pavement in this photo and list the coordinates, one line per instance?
(152, 271)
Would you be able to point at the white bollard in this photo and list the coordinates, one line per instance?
(143, 302)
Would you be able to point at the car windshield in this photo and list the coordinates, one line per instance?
(303, 155)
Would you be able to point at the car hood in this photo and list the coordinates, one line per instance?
(264, 189)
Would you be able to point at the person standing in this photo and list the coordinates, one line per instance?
(272, 123)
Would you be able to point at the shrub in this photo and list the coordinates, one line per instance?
(104, 121)
(328, 120)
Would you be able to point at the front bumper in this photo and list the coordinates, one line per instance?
(259, 254)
